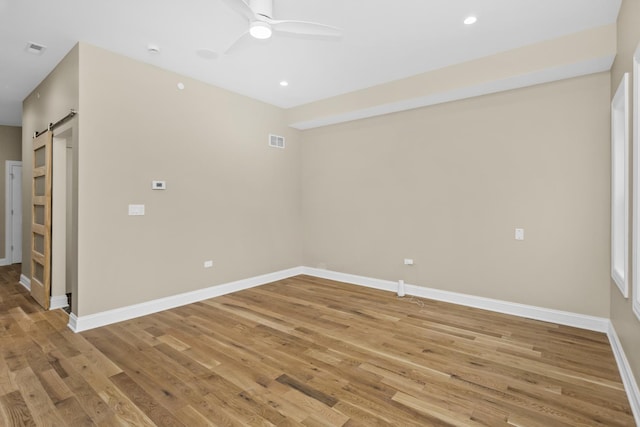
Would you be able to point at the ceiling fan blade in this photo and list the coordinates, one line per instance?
(241, 7)
(238, 44)
(305, 28)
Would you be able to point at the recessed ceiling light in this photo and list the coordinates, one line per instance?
(469, 20)
(35, 48)
(284, 83)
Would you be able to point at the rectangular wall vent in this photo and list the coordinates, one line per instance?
(276, 141)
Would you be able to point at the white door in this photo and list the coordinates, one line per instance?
(16, 214)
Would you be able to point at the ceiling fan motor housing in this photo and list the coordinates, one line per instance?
(262, 7)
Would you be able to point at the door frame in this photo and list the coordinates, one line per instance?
(8, 204)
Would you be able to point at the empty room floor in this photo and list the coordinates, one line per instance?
(303, 351)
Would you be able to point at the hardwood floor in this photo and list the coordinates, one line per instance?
(303, 351)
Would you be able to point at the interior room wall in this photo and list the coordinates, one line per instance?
(447, 185)
(50, 101)
(624, 320)
(10, 149)
(230, 198)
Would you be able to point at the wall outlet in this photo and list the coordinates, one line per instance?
(519, 234)
(408, 261)
(208, 264)
(158, 185)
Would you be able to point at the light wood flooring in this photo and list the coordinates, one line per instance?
(303, 351)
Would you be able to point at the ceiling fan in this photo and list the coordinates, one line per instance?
(259, 13)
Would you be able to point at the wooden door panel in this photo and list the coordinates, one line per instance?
(41, 220)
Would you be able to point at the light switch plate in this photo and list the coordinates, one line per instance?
(136, 210)
(519, 234)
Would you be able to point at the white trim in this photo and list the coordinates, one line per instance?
(73, 322)
(58, 301)
(635, 262)
(599, 324)
(383, 285)
(628, 379)
(83, 323)
(620, 184)
(590, 66)
(8, 205)
(4, 261)
(26, 282)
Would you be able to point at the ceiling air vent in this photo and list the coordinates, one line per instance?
(276, 141)
(35, 48)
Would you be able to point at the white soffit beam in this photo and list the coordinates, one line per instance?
(515, 82)
(578, 54)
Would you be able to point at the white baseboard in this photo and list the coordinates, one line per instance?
(83, 323)
(599, 324)
(26, 282)
(73, 322)
(58, 301)
(4, 262)
(383, 285)
(628, 379)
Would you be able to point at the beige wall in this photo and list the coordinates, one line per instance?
(230, 198)
(446, 185)
(47, 103)
(625, 322)
(10, 149)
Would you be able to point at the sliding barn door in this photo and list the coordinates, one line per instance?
(41, 223)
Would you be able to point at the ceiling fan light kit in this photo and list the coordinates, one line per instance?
(260, 30)
(259, 16)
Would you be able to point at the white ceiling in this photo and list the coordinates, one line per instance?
(383, 40)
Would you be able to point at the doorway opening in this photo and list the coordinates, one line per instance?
(63, 253)
(13, 212)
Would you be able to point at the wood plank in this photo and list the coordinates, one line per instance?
(144, 401)
(15, 411)
(41, 407)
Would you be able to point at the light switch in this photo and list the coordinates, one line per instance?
(519, 233)
(136, 210)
